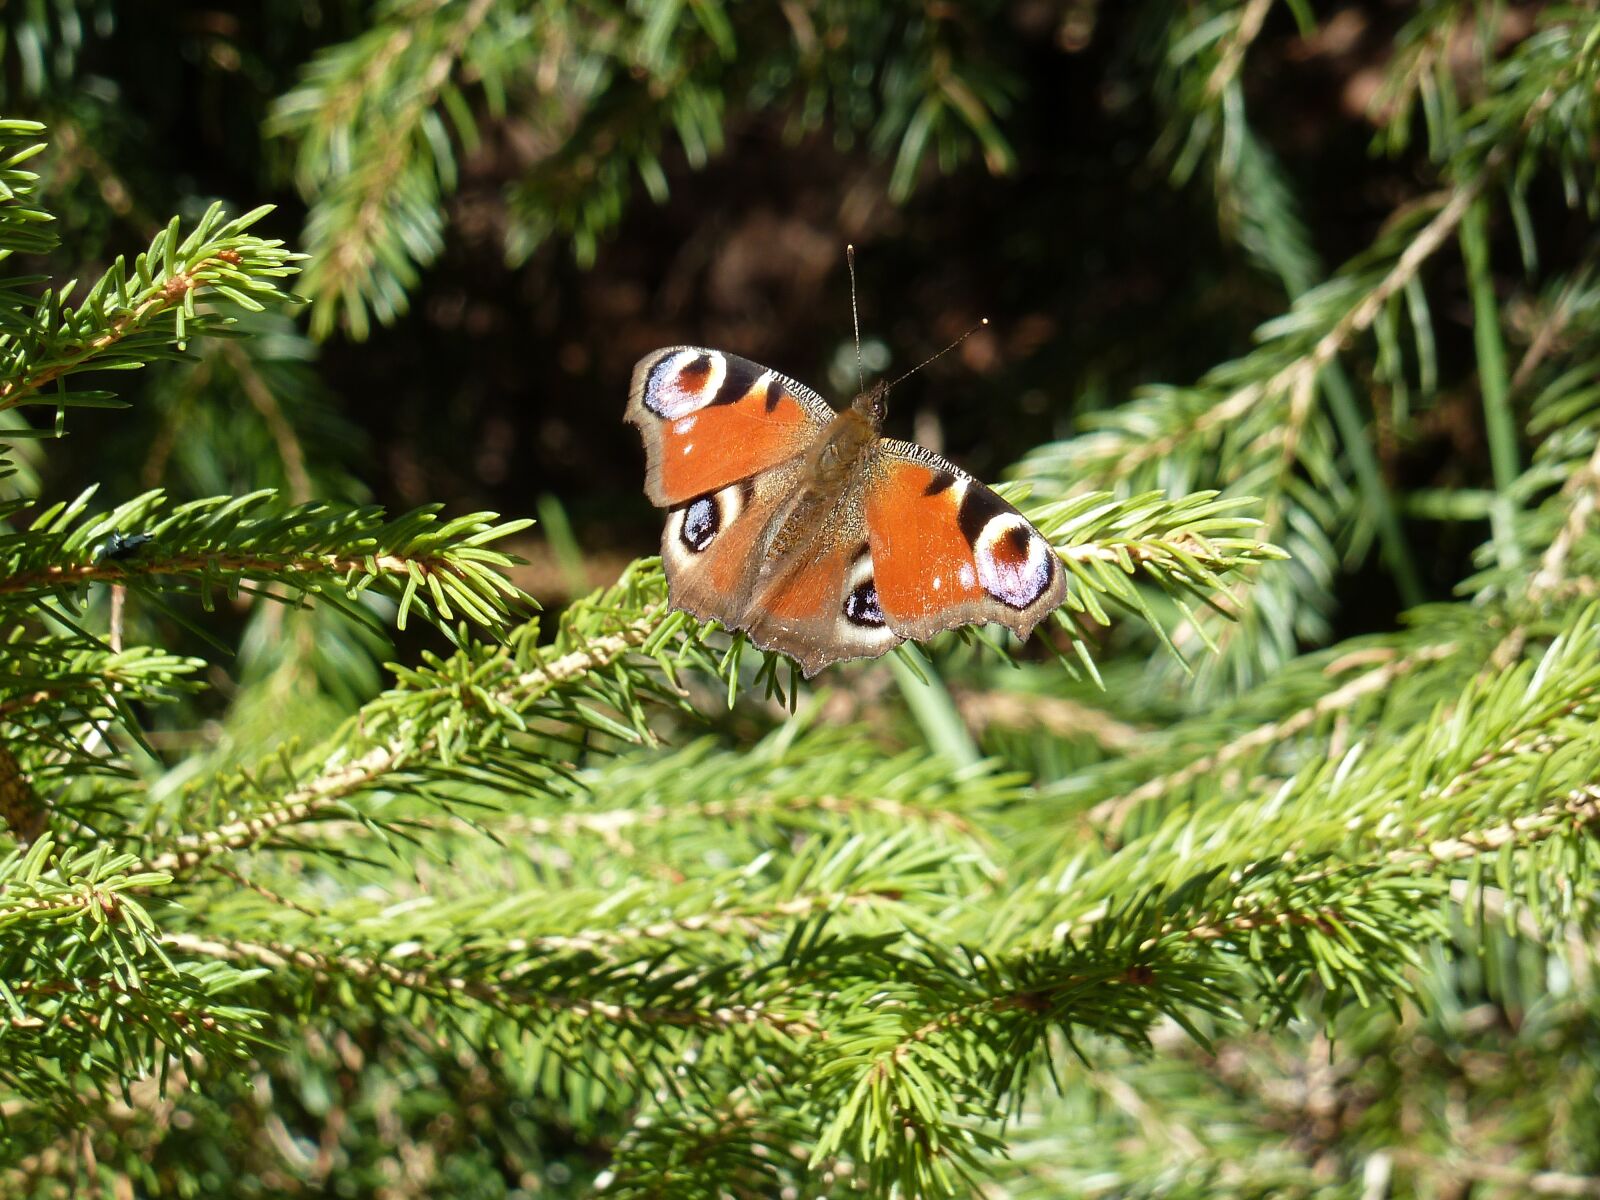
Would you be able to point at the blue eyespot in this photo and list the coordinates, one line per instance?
(861, 605)
(700, 523)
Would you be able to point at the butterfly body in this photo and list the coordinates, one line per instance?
(809, 530)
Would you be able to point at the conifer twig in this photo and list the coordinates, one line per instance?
(499, 993)
(1582, 491)
(158, 300)
(406, 746)
(1251, 19)
(1055, 715)
(1455, 1169)
(1356, 319)
(1111, 814)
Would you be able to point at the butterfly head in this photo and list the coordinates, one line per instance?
(873, 404)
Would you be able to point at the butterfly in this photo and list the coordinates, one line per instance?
(812, 532)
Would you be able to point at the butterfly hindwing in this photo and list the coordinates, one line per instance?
(818, 605)
(710, 419)
(821, 605)
(948, 551)
(713, 547)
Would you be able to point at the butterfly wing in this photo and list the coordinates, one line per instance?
(913, 545)
(711, 419)
(948, 551)
(713, 547)
(819, 605)
(724, 442)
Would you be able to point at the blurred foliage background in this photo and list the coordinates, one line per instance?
(1301, 908)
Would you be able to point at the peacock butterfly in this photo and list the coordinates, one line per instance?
(812, 532)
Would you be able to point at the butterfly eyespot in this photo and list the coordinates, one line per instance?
(861, 605)
(1013, 562)
(701, 520)
(684, 382)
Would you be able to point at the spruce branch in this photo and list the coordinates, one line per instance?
(1253, 424)
(1518, 747)
(1111, 814)
(1518, 1180)
(404, 737)
(497, 920)
(60, 696)
(1257, 205)
(511, 992)
(379, 122)
(129, 318)
(420, 726)
(1581, 494)
(374, 151)
(24, 228)
(650, 809)
(84, 904)
(437, 567)
(1556, 494)
(1056, 716)
(1251, 17)
(745, 1145)
(1189, 549)
(1123, 448)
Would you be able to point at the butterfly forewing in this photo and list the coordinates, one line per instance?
(710, 419)
(949, 551)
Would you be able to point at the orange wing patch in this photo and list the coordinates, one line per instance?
(726, 441)
(810, 592)
(822, 610)
(923, 562)
(710, 419)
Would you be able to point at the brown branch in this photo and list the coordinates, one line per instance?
(32, 700)
(1579, 808)
(1055, 715)
(1582, 490)
(290, 452)
(168, 296)
(78, 574)
(1456, 1171)
(1231, 60)
(610, 824)
(725, 922)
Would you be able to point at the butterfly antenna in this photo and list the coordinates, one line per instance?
(855, 315)
(981, 323)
